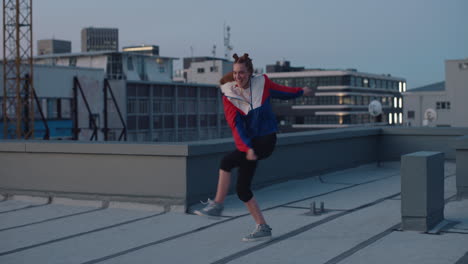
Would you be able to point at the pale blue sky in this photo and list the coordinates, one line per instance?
(406, 38)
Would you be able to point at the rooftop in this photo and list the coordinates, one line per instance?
(434, 87)
(360, 225)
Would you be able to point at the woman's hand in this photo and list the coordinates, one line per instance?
(308, 91)
(251, 155)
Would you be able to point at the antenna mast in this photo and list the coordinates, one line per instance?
(227, 39)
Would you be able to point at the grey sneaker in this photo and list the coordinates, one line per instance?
(261, 232)
(212, 209)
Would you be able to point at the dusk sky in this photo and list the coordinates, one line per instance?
(405, 38)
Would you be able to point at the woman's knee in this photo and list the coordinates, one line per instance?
(244, 193)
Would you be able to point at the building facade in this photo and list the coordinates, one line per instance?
(174, 112)
(341, 100)
(99, 39)
(440, 104)
(205, 70)
(117, 65)
(54, 88)
(53, 46)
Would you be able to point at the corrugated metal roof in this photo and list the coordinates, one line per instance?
(439, 86)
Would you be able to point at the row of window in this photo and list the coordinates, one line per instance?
(342, 100)
(212, 69)
(142, 106)
(342, 80)
(169, 121)
(443, 105)
(52, 108)
(170, 91)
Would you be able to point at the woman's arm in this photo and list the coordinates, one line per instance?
(234, 120)
(286, 92)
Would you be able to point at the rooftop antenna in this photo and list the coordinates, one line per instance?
(191, 53)
(227, 39)
(213, 51)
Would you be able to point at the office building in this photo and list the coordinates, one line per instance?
(282, 66)
(53, 46)
(99, 39)
(341, 100)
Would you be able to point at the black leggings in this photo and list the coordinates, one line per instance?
(263, 147)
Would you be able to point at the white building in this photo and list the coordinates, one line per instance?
(206, 70)
(117, 65)
(440, 104)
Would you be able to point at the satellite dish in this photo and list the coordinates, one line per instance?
(375, 108)
(430, 116)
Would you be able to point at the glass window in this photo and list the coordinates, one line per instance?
(143, 122)
(365, 82)
(182, 121)
(131, 90)
(192, 121)
(201, 70)
(157, 91)
(66, 108)
(131, 106)
(131, 122)
(143, 106)
(157, 122)
(143, 91)
(130, 63)
(168, 91)
(168, 121)
(410, 114)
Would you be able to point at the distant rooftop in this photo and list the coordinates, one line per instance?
(435, 87)
(93, 53)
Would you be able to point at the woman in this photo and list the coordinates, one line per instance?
(247, 108)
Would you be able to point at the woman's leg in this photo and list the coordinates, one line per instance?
(255, 211)
(229, 162)
(224, 182)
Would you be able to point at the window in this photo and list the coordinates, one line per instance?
(463, 66)
(213, 69)
(72, 61)
(443, 105)
(400, 102)
(131, 106)
(130, 63)
(410, 114)
(162, 69)
(201, 70)
(52, 108)
(390, 118)
(143, 106)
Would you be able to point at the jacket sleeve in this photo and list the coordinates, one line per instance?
(281, 91)
(235, 121)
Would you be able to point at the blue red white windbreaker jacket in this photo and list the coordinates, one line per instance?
(254, 118)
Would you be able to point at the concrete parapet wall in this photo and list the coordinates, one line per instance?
(397, 141)
(183, 173)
